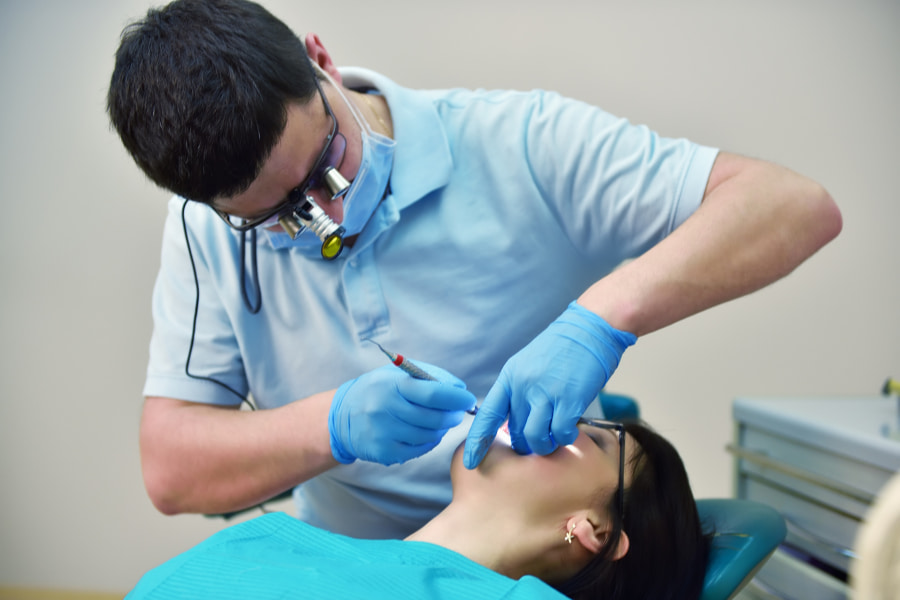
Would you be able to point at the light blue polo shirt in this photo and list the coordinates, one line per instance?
(504, 206)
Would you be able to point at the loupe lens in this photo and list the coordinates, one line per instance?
(336, 184)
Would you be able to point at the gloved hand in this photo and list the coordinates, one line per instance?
(387, 416)
(546, 386)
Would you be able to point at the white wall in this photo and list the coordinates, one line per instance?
(812, 85)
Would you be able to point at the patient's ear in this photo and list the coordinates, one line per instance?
(622, 547)
(587, 535)
(593, 537)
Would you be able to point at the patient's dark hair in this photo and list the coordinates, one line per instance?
(199, 93)
(668, 549)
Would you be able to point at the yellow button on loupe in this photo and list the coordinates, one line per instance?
(331, 247)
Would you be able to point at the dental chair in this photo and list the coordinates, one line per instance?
(745, 534)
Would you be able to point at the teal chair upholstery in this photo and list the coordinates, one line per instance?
(745, 533)
(618, 407)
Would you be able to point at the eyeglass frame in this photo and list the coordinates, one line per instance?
(298, 194)
(619, 428)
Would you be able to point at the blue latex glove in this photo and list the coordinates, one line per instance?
(546, 386)
(388, 417)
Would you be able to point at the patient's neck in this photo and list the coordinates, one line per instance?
(496, 537)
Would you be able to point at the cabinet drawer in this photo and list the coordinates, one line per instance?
(784, 577)
(816, 529)
(855, 479)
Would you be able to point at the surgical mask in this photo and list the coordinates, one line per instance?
(366, 189)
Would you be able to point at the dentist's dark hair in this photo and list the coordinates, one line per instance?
(668, 549)
(199, 93)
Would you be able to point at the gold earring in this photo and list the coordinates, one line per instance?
(569, 536)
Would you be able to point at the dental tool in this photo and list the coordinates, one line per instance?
(412, 370)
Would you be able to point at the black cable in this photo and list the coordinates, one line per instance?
(253, 309)
(187, 361)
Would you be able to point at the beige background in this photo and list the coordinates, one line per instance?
(812, 85)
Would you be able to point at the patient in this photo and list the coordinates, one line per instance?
(517, 527)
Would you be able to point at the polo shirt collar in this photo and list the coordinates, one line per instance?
(422, 158)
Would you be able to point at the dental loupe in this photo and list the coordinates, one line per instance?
(307, 214)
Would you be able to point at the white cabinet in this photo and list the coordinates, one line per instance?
(820, 462)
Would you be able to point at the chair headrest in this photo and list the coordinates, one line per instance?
(745, 533)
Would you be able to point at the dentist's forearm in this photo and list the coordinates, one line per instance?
(757, 223)
(207, 459)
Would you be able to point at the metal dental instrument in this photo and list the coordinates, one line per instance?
(412, 369)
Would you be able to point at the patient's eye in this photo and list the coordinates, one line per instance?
(601, 437)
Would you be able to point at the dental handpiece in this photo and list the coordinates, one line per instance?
(412, 369)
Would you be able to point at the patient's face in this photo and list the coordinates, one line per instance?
(577, 473)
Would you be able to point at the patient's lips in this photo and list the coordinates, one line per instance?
(503, 435)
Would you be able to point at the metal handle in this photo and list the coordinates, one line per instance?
(802, 474)
(816, 539)
(766, 591)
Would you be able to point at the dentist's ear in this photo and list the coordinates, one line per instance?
(319, 55)
(592, 537)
